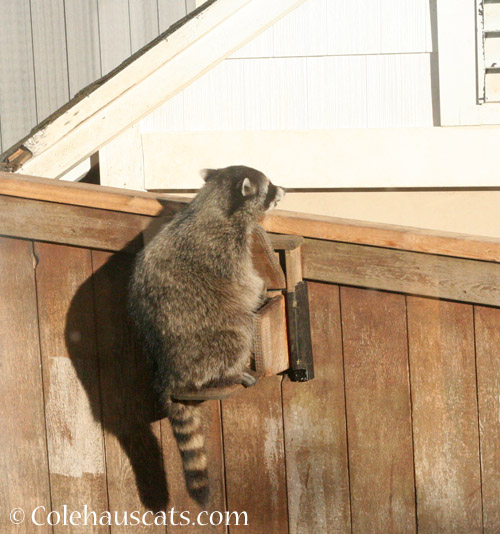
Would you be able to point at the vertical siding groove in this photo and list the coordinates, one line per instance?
(18, 104)
(33, 60)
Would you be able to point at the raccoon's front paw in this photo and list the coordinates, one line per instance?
(248, 379)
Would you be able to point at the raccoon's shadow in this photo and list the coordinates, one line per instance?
(123, 401)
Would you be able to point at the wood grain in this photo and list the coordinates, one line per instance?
(265, 261)
(383, 235)
(254, 458)
(315, 428)
(378, 411)
(24, 480)
(71, 381)
(293, 267)
(59, 223)
(270, 339)
(88, 195)
(487, 332)
(136, 479)
(314, 226)
(405, 272)
(212, 428)
(445, 416)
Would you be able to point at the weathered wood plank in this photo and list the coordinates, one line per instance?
(265, 261)
(211, 424)
(405, 272)
(59, 223)
(487, 333)
(315, 428)
(445, 416)
(49, 49)
(114, 33)
(136, 479)
(270, 345)
(383, 235)
(88, 195)
(24, 480)
(392, 237)
(315, 226)
(254, 458)
(378, 411)
(82, 31)
(17, 105)
(71, 381)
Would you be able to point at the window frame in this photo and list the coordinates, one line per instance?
(458, 56)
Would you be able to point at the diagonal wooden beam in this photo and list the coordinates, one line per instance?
(136, 88)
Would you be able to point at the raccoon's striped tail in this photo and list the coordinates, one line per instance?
(186, 424)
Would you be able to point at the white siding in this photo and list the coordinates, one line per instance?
(50, 49)
(346, 27)
(337, 92)
(170, 11)
(50, 55)
(328, 64)
(82, 39)
(399, 91)
(114, 33)
(374, 91)
(144, 22)
(17, 80)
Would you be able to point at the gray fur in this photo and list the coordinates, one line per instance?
(192, 299)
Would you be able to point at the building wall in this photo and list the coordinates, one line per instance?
(50, 49)
(327, 64)
(330, 64)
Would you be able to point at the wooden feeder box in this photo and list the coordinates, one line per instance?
(282, 332)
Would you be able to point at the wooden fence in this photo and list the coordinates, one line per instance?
(399, 431)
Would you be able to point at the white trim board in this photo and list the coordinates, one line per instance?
(457, 52)
(151, 79)
(343, 158)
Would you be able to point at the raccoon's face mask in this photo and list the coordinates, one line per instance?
(265, 194)
(249, 189)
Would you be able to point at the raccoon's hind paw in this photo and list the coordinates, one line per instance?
(249, 378)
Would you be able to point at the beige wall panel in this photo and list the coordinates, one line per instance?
(344, 158)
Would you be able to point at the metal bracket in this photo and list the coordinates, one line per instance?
(299, 332)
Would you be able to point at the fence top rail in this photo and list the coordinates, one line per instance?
(278, 221)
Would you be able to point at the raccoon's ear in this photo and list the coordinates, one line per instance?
(248, 188)
(208, 174)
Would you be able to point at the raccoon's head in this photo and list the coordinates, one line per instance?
(243, 190)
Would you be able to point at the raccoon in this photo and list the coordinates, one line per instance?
(192, 298)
